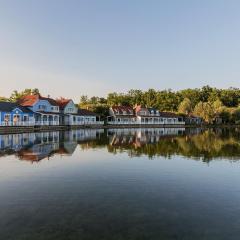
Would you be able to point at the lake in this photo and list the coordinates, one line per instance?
(120, 184)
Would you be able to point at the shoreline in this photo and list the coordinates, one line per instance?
(24, 129)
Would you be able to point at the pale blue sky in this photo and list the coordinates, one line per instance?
(74, 47)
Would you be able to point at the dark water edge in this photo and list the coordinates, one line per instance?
(120, 184)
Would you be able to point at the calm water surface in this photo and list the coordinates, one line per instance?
(120, 184)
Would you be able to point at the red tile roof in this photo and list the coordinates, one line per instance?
(30, 100)
(121, 109)
(62, 102)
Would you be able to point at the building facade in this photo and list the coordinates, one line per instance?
(11, 114)
(142, 116)
(46, 110)
(121, 115)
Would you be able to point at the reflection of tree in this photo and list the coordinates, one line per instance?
(207, 145)
(194, 143)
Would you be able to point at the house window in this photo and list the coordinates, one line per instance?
(42, 107)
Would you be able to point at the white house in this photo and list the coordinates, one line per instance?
(153, 116)
(121, 115)
(72, 115)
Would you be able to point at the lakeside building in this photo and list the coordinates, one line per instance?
(72, 115)
(11, 114)
(36, 110)
(142, 116)
(121, 115)
(193, 120)
(46, 110)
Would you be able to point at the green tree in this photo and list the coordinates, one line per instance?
(185, 106)
(205, 111)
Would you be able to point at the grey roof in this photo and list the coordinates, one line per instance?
(10, 106)
(83, 112)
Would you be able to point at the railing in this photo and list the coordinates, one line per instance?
(22, 123)
(122, 123)
(47, 123)
(145, 123)
(84, 123)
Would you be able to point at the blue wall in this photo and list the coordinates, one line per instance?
(15, 111)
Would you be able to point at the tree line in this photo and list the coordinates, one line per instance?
(206, 102)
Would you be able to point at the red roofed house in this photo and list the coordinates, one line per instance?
(153, 116)
(46, 109)
(121, 115)
(72, 115)
(67, 110)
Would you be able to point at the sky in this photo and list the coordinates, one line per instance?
(92, 47)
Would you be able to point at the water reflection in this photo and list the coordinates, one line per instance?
(34, 147)
(112, 190)
(192, 143)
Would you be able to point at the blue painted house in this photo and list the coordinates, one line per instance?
(12, 114)
(46, 110)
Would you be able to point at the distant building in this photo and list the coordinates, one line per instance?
(121, 115)
(148, 115)
(72, 115)
(142, 116)
(193, 120)
(68, 111)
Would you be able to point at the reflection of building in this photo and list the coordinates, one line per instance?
(139, 137)
(16, 141)
(82, 134)
(37, 146)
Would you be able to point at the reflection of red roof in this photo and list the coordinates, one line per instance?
(29, 155)
(30, 100)
(62, 102)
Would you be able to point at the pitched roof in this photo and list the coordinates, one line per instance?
(122, 110)
(62, 102)
(50, 100)
(85, 112)
(169, 115)
(9, 106)
(30, 100)
(139, 108)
